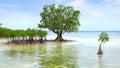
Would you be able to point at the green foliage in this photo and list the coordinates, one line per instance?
(31, 32)
(1, 32)
(5, 32)
(41, 33)
(9, 33)
(61, 18)
(22, 33)
(104, 37)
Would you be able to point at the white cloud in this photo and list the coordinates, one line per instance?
(98, 13)
(14, 19)
(8, 5)
(101, 10)
(5, 8)
(109, 3)
(59, 1)
(18, 20)
(93, 16)
(78, 4)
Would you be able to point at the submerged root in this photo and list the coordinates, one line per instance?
(100, 52)
(59, 39)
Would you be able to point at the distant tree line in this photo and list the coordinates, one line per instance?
(28, 36)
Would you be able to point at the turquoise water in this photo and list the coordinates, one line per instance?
(78, 54)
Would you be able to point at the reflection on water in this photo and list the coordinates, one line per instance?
(100, 62)
(57, 58)
(59, 55)
(19, 51)
(55, 55)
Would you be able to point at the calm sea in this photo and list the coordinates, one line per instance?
(86, 34)
(78, 54)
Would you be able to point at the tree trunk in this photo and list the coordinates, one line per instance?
(41, 40)
(100, 51)
(59, 36)
(31, 41)
(13, 39)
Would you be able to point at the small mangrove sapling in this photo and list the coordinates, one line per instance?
(103, 37)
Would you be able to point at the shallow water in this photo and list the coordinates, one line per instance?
(79, 54)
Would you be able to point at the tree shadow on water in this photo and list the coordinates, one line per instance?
(101, 63)
(58, 57)
(19, 51)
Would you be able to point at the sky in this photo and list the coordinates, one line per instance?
(96, 15)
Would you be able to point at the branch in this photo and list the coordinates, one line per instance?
(66, 24)
(55, 31)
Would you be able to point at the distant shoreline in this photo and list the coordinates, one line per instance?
(98, 31)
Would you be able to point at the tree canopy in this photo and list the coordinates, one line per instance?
(103, 37)
(22, 35)
(59, 19)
